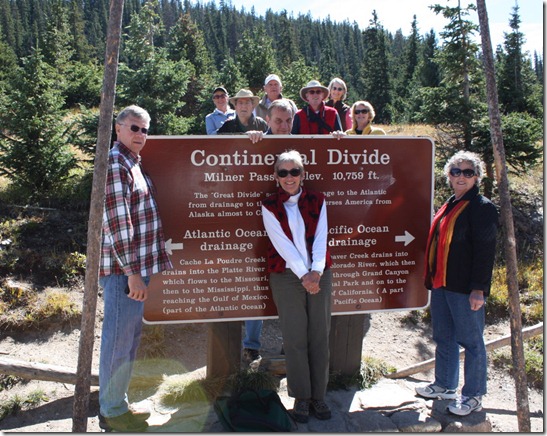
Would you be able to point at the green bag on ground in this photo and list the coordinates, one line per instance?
(254, 410)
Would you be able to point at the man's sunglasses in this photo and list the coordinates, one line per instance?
(361, 111)
(467, 173)
(135, 128)
(295, 172)
(315, 91)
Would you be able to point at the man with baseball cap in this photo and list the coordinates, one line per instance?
(221, 114)
(272, 88)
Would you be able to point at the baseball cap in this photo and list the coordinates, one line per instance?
(220, 88)
(272, 77)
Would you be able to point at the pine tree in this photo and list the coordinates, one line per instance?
(517, 82)
(255, 57)
(459, 64)
(34, 154)
(375, 81)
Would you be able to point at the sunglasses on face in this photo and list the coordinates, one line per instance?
(217, 96)
(361, 111)
(295, 172)
(335, 88)
(135, 128)
(315, 91)
(467, 173)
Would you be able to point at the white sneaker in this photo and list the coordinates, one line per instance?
(465, 405)
(436, 392)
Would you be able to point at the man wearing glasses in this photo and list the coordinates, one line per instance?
(132, 249)
(316, 118)
(222, 113)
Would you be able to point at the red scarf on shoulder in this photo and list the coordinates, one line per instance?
(438, 244)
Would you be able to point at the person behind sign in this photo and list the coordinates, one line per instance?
(338, 92)
(298, 264)
(362, 114)
(460, 254)
(272, 89)
(315, 117)
(244, 102)
(132, 250)
(280, 116)
(222, 111)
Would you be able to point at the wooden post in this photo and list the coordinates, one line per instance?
(223, 348)
(517, 348)
(104, 134)
(346, 343)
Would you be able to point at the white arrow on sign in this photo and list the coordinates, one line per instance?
(407, 238)
(170, 246)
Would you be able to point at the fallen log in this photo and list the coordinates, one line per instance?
(41, 371)
(528, 332)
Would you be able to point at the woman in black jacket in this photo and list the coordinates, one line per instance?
(459, 260)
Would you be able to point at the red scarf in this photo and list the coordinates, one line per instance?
(309, 204)
(438, 244)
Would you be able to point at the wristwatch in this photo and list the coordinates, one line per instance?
(320, 273)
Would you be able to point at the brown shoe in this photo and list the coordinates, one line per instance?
(301, 410)
(320, 409)
(127, 422)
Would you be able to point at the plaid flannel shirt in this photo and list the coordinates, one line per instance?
(132, 240)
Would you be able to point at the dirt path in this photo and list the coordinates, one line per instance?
(388, 338)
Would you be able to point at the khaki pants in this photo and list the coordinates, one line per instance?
(305, 325)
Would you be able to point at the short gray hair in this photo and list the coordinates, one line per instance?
(133, 111)
(281, 104)
(469, 157)
(289, 156)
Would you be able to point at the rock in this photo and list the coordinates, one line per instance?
(415, 421)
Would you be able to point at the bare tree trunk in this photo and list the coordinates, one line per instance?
(104, 134)
(523, 408)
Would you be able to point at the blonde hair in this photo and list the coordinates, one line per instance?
(367, 105)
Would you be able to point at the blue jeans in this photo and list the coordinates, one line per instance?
(253, 328)
(455, 324)
(121, 334)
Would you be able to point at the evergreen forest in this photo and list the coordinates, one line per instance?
(175, 52)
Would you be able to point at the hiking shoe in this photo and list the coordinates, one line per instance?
(251, 355)
(320, 409)
(128, 422)
(436, 392)
(465, 405)
(301, 410)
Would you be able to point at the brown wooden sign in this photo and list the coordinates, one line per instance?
(379, 203)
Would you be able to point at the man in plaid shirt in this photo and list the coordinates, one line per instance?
(133, 249)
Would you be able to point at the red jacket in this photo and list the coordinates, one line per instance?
(307, 122)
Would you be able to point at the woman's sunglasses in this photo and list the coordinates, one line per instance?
(361, 111)
(295, 172)
(467, 173)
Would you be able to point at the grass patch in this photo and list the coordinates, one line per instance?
(7, 381)
(372, 370)
(180, 388)
(533, 356)
(530, 281)
(22, 307)
(17, 403)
